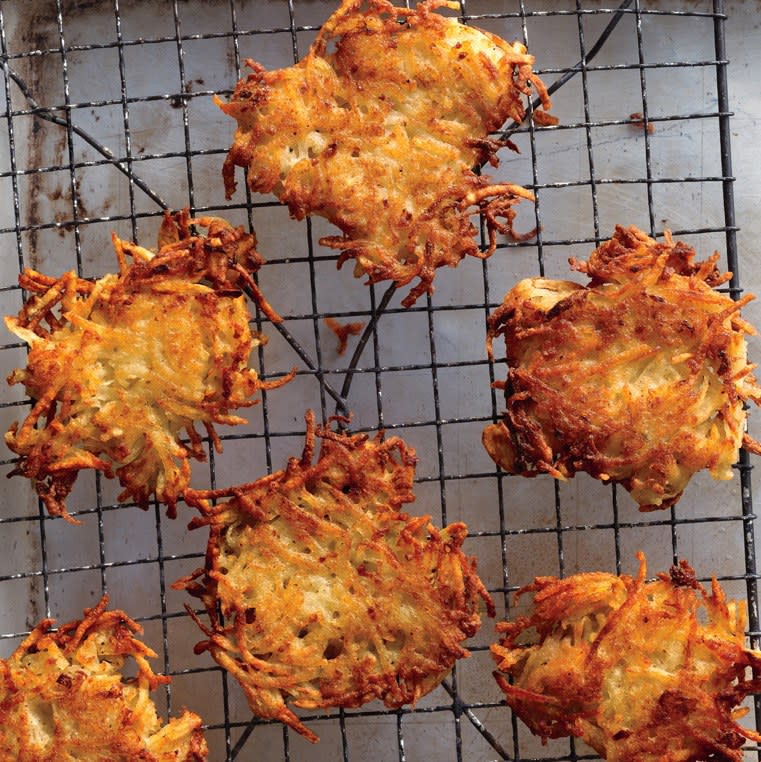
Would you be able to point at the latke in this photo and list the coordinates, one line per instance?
(638, 378)
(378, 129)
(64, 698)
(119, 367)
(646, 671)
(331, 596)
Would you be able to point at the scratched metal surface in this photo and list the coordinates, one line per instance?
(136, 78)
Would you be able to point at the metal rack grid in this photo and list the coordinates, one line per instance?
(89, 146)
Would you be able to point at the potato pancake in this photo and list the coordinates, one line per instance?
(638, 378)
(331, 596)
(379, 127)
(646, 671)
(118, 368)
(64, 697)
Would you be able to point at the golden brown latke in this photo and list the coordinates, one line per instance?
(119, 367)
(63, 698)
(646, 671)
(332, 596)
(637, 378)
(378, 129)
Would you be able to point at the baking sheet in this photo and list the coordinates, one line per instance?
(137, 77)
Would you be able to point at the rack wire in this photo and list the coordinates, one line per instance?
(107, 119)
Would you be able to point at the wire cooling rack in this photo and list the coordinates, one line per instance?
(107, 119)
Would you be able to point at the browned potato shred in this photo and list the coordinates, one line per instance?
(637, 378)
(64, 698)
(121, 366)
(331, 596)
(378, 129)
(646, 671)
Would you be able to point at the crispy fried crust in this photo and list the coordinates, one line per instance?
(378, 129)
(63, 698)
(119, 367)
(646, 671)
(332, 596)
(638, 378)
